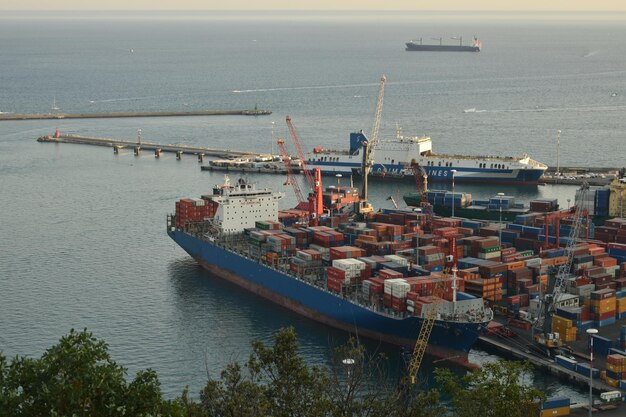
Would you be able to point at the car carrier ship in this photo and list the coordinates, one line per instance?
(353, 278)
(394, 157)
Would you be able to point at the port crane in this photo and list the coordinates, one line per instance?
(548, 306)
(421, 181)
(296, 142)
(369, 146)
(555, 218)
(303, 204)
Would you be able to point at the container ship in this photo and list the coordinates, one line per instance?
(378, 278)
(393, 159)
(420, 46)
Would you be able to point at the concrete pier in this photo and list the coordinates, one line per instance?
(107, 115)
(117, 144)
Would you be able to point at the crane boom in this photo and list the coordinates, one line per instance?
(290, 177)
(564, 269)
(430, 317)
(368, 149)
(296, 142)
(373, 140)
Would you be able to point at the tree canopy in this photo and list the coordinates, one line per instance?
(77, 377)
(495, 390)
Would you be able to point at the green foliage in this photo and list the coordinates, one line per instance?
(77, 377)
(495, 390)
(276, 381)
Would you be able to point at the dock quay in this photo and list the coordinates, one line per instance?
(271, 168)
(595, 176)
(522, 347)
(138, 146)
(109, 115)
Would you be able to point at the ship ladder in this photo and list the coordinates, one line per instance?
(422, 343)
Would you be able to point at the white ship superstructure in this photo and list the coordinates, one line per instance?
(242, 204)
(393, 158)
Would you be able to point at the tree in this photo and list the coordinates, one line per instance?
(77, 377)
(495, 390)
(276, 381)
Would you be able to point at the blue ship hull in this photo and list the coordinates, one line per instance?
(447, 339)
(439, 174)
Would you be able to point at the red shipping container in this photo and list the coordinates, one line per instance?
(336, 273)
(398, 304)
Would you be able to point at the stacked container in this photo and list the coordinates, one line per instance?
(554, 407)
(564, 327)
(615, 369)
(193, 210)
(602, 307)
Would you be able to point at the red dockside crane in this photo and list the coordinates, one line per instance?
(296, 142)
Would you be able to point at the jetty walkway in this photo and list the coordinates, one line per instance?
(138, 146)
(107, 115)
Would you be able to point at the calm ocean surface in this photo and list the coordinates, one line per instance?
(83, 242)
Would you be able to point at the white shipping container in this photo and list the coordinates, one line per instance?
(390, 282)
(320, 249)
(398, 259)
(400, 289)
(198, 202)
(303, 255)
(365, 286)
(534, 262)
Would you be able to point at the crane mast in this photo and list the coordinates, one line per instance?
(290, 177)
(549, 305)
(421, 182)
(296, 142)
(368, 149)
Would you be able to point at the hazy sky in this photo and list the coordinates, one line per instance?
(496, 5)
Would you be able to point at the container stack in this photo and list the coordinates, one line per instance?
(565, 328)
(193, 210)
(615, 369)
(306, 260)
(602, 307)
(554, 407)
(267, 225)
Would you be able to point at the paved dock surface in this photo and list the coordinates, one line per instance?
(42, 116)
(521, 346)
(619, 410)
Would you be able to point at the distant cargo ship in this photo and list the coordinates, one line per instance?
(419, 46)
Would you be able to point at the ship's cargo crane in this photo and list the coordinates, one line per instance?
(421, 182)
(551, 299)
(296, 142)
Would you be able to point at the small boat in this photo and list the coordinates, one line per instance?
(472, 110)
(54, 105)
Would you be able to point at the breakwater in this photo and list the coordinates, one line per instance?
(105, 115)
